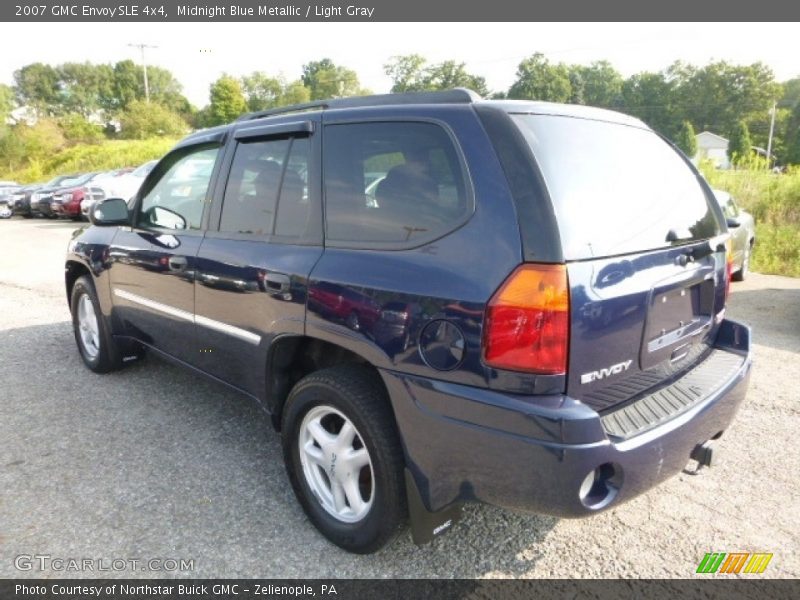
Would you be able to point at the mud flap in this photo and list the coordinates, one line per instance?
(426, 525)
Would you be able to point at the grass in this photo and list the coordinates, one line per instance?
(774, 201)
(110, 154)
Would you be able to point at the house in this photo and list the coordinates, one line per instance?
(713, 147)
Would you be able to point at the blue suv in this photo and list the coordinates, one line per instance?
(438, 300)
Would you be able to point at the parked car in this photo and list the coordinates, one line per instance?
(99, 188)
(19, 201)
(551, 314)
(128, 184)
(66, 200)
(743, 233)
(7, 199)
(41, 198)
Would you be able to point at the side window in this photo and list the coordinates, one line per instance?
(391, 182)
(175, 200)
(267, 190)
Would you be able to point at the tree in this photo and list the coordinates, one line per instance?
(739, 148)
(37, 87)
(84, 88)
(602, 84)
(686, 140)
(537, 79)
(227, 100)
(411, 73)
(650, 97)
(450, 74)
(6, 102)
(141, 120)
(262, 91)
(326, 80)
(793, 137)
(406, 72)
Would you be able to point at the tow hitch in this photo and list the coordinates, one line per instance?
(703, 454)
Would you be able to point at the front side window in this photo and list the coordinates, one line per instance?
(391, 183)
(267, 190)
(176, 199)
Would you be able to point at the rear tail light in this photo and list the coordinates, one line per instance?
(527, 321)
(728, 267)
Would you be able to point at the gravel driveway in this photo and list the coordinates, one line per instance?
(154, 462)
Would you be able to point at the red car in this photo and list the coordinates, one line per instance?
(67, 200)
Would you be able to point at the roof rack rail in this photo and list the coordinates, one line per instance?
(454, 96)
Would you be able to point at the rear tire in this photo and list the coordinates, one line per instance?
(96, 345)
(744, 270)
(344, 458)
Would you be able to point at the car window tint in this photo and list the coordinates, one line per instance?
(176, 200)
(391, 182)
(267, 190)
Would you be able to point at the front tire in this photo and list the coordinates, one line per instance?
(96, 345)
(344, 457)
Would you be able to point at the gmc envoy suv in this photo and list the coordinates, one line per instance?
(438, 299)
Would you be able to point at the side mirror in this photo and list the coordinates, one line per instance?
(166, 218)
(733, 222)
(109, 212)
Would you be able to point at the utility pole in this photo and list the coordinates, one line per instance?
(144, 67)
(771, 131)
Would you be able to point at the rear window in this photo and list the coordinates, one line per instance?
(392, 184)
(616, 189)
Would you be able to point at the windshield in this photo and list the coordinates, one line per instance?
(144, 169)
(615, 188)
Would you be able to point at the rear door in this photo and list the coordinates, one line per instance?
(640, 234)
(264, 238)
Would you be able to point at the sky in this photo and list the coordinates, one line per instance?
(198, 53)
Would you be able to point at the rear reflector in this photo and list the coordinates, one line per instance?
(527, 321)
(728, 267)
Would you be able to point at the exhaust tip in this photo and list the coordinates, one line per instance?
(600, 486)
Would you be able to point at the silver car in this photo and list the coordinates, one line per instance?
(743, 233)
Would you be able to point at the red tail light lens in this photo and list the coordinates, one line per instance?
(728, 267)
(527, 321)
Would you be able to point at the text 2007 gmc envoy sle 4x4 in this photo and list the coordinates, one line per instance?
(438, 299)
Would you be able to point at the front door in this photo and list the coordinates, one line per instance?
(154, 262)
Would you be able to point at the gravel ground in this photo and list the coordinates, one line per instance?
(153, 462)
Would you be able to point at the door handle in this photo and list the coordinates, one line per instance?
(178, 263)
(277, 283)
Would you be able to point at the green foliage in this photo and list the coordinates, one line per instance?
(410, 73)
(227, 101)
(774, 201)
(685, 140)
(791, 93)
(22, 142)
(537, 79)
(601, 84)
(77, 129)
(37, 86)
(262, 91)
(739, 146)
(109, 154)
(792, 136)
(326, 80)
(649, 96)
(6, 102)
(142, 120)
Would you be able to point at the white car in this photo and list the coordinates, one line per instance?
(125, 186)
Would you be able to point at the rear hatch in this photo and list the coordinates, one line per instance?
(641, 240)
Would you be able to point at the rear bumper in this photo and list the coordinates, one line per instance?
(532, 453)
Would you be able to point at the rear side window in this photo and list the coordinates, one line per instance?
(392, 183)
(267, 189)
(615, 188)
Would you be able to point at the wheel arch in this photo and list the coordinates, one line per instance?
(292, 357)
